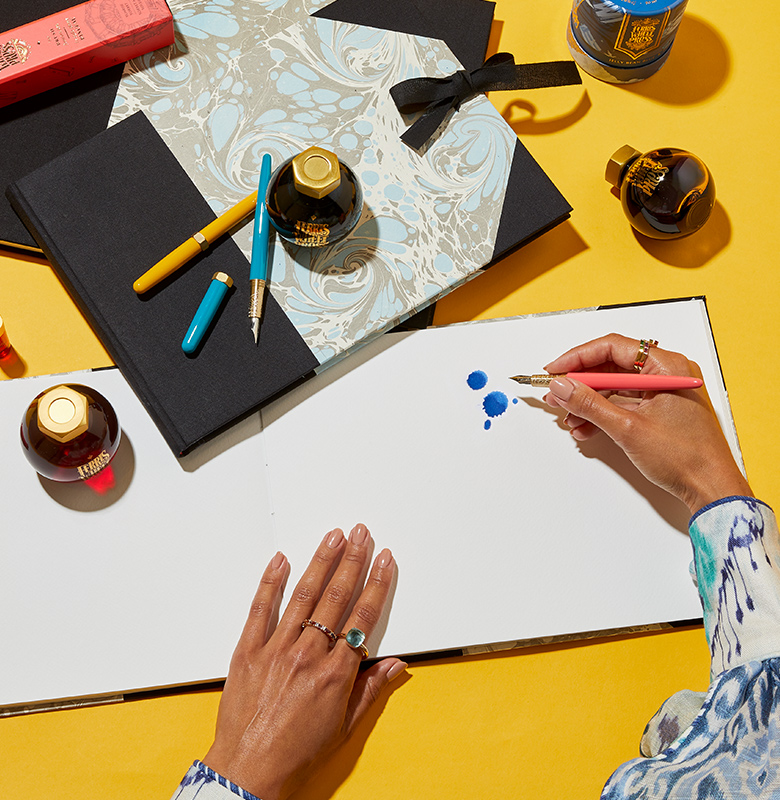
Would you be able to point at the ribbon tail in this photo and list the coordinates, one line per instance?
(547, 73)
(417, 134)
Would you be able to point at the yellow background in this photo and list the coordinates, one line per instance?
(549, 722)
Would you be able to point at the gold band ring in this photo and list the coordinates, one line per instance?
(644, 349)
(310, 623)
(354, 637)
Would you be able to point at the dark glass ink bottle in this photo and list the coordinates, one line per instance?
(69, 433)
(314, 199)
(665, 193)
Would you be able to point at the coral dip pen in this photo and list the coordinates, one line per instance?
(196, 244)
(258, 270)
(618, 381)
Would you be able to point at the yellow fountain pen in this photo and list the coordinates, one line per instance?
(197, 243)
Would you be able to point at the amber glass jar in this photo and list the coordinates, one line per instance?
(69, 433)
(314, 199)
(665, 193)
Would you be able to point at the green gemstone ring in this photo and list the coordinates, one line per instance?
(354, 637)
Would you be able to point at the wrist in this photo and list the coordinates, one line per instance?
(715, 486)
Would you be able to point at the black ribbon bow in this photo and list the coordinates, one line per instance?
(499, 73)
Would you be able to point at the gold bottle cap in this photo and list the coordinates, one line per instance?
(617, 163)
(316, 172)
(63, 413)
(223, 277)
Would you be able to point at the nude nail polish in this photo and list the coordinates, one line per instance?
(359, 534)
(561, 388)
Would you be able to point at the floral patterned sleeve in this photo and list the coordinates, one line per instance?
(724, 743)
(202, 783)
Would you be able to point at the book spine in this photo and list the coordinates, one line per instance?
(100, 326)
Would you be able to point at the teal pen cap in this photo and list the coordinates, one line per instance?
(207, 310)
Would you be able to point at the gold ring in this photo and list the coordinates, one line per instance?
(644, 349)
(310, 623)
(354, 637)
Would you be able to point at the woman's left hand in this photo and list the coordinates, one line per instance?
(292, 696)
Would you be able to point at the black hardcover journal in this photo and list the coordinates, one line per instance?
(106, 211)
(38, 129)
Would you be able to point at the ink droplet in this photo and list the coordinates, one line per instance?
(477, 380)
(487, 424)
(495, 404)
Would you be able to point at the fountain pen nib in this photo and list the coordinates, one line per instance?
(534, 380)
(255, 327)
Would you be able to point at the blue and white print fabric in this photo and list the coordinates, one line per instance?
(727, 746)
(202, 783)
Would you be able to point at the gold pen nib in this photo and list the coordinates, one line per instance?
(533, 380)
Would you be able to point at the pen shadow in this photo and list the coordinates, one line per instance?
(602, 448)
(100, 491)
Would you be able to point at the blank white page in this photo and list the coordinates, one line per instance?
(146, 586)
(509, 532)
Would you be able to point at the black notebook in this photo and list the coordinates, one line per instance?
(106, 211)
(38, 129)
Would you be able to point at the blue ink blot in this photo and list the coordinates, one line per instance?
(495, 404)
(487, 424)
(477, 379)
(514, 401)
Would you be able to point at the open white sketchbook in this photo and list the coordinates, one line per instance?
(507, 531)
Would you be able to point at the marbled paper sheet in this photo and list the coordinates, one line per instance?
(248, 77)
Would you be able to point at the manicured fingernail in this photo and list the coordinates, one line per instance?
(384, 559)
(396, 669)
(561, 388)
(277, 560)
(359, 534)
(334, 538)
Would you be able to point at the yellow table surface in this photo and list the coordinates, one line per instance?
(547, 722)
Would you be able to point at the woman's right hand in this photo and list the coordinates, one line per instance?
(673, 438)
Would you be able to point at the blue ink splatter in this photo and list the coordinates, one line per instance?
(477, 379)
(495, 404)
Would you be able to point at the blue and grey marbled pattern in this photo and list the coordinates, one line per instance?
(429, 221)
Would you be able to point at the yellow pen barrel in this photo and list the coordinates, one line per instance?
(165, 266)
(195, 244)
(223, 223)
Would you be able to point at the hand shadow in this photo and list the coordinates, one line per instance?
(601, 447)
(698, 66)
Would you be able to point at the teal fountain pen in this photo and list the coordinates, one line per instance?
(258, 270)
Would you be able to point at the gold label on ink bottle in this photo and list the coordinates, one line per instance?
(13, 53)
(639, 35)
(646, 173)
(311, 234)
(94, 466)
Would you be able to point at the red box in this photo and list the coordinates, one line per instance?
(79, 41)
